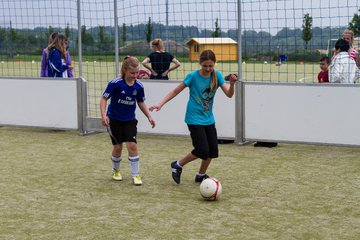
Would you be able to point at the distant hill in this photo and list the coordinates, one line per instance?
(255, 44)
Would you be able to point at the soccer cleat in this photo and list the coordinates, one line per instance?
(199, 178)
(137, 180)
(176, 172)
(116, 175)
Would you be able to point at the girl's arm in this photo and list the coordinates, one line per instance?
(229, 90)
(146, 112)
(69, 62)
(168, 97)
(104, 118)
(146, 64)
(44, 59)
(175, 66)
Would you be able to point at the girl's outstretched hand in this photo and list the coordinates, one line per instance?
(157, 107)
(233, 78)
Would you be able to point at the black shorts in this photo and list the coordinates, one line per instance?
(204, 140)
(122, 131)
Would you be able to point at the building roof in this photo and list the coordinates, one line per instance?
(211, 41)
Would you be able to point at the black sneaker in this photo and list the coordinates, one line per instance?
(176, 172)
(199, 178)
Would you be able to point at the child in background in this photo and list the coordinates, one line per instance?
(58, 65)
(120, 119)
(143, 74)
(323, 76)
(348, 36)
(343, 68)
(199, 116)
(45, 53)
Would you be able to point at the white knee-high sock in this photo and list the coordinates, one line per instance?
(116, 162)
(134, 165)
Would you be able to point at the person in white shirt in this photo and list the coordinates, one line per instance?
(343, 68)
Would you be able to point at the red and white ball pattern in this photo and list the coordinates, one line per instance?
(210, 189)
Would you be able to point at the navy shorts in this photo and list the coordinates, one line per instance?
(122, 131)
(204, 140)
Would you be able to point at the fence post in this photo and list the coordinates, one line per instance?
(116, 24)
(79, 38)
(239, 92)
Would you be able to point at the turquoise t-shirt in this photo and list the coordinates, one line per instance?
(200, 104)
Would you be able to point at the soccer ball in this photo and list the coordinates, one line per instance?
(210, 189)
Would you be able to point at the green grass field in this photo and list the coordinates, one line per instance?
(57, 185)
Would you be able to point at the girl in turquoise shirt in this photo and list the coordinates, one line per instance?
(199, 115)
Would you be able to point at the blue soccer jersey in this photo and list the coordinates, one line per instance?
(123, 99)
(199, 108)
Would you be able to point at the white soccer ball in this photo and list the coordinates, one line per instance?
(210, 189)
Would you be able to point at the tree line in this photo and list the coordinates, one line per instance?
(99, 40)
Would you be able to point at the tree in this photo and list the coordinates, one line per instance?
(67, 31)
(50, 30)
(306, 29)
(149, 29)
(217, 32)
(86, 38)
(101, 35)
(354, 25)
(123, 35)
(2, 36)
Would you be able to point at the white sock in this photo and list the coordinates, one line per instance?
(134, 165)
(116, 162)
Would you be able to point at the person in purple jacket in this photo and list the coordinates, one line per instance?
(44, 58)
(58, 65)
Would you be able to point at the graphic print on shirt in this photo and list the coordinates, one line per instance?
(207, 97)
(127, 100)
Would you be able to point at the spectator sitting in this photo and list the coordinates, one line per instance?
(348, 36)
(343, 68)
(323, 76)
(143, 74)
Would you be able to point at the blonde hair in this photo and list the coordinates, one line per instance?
(351, 33)
(210, 55)
(129, 62)
(158, 43)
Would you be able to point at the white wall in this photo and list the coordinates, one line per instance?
(313, 113)
(170, 119)
(50, 103)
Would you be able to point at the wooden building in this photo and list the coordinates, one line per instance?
(224, 48)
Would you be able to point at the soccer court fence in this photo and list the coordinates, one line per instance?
(273, 45)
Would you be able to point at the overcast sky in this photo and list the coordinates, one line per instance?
(258, 15)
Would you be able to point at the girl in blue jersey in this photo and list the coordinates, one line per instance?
(120, 119)
(199, 116)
